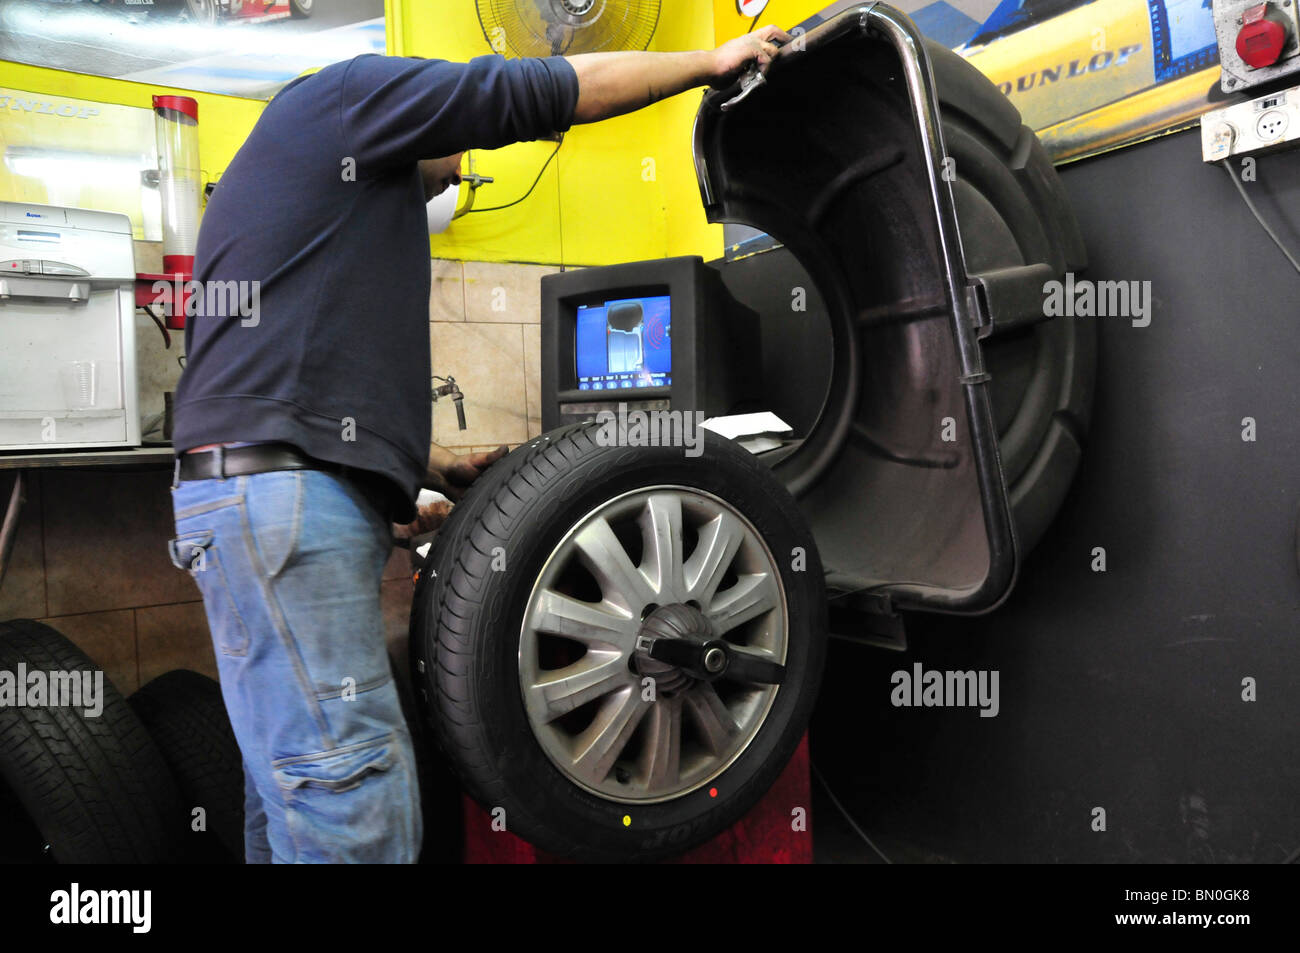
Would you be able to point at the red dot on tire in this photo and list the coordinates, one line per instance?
(713, 792)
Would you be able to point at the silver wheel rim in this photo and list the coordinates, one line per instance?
(587, 704)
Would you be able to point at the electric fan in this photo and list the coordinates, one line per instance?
(559, 27)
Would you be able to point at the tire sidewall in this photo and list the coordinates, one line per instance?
(493, 687)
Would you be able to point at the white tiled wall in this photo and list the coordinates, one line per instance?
(485, 332)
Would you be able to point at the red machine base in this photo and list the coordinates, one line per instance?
(766, 835)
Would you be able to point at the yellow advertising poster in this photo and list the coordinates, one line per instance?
(1086, 75)
(74, 152)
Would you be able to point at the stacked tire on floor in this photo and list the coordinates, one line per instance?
(125, 786)
(186, 717)
(119, 786)
(95, 788)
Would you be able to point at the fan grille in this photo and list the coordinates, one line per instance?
(562, 27)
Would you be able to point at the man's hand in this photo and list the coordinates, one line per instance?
(451, 475)
(427, 519)
(733, 58)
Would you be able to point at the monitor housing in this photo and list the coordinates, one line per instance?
(675, 340)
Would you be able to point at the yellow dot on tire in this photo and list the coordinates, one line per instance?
(627, 820)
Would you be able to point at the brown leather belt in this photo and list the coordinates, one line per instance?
(227, 462)
(223, 462)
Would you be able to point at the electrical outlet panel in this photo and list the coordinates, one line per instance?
(1259, 40)
(1264, 123)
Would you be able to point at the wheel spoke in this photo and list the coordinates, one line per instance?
(557, 693)
(621, 583)
(711, 717)
(599, 746)
(749, 598)
(630, 749)
(661, 758)
(661, 530)
(590, 623)
(720, 539)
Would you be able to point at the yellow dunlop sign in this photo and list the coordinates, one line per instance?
(1086, 75)
(74, 152)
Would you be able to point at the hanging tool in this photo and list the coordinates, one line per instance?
(451, 389)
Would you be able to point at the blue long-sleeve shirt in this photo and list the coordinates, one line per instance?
(323, 207)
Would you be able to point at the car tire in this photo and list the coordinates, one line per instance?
(520, 544)
(300, 9)
(186, 717)
(202, 12)
(96, 787)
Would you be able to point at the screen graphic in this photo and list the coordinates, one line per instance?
(624, 343)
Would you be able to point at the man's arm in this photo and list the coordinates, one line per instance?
(397, 110)
(611, 84)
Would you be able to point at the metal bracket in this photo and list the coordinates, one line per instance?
(1008, 299)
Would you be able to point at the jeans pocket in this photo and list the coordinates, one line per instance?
(197, 554)
(355, 804)
(189, 551)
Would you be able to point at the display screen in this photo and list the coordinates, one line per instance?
(48, 238)
(624, 343)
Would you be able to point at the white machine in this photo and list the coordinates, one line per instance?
(67, 329)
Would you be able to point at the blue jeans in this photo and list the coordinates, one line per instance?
(290, 564)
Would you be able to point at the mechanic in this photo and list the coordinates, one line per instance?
(302, 433)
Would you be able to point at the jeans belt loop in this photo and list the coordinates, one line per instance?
(220, 456)
(176, 473)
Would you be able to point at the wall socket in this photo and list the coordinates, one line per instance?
(1229, 15)
(1268, 122)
